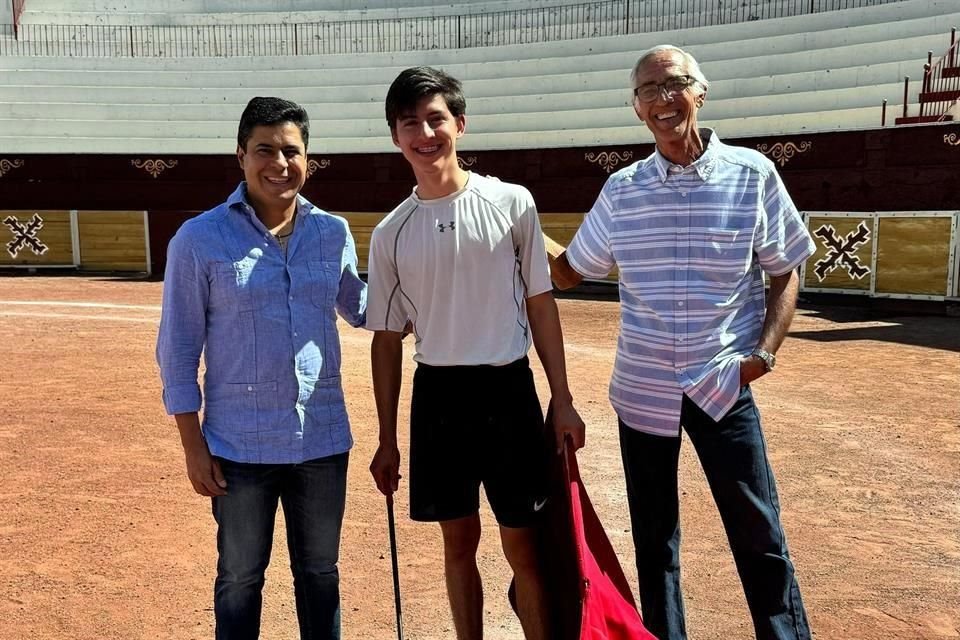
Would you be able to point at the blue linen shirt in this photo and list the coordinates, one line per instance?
(266, 325)
(691, 245)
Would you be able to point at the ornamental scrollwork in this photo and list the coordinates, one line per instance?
(314, 165)
(608, 160)
(9, 165)
(783, 152)
(154, 167)
(952, 139)
(466, 163)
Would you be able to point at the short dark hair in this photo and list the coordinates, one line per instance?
(271, 111)
(418, 82)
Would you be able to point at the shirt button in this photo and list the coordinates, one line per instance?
(291, 297)
(296, 335)
(250, 388)
(680, 303)
(683, 193)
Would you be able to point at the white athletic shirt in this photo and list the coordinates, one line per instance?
(461, 268)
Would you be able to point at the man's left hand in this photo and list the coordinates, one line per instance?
(751, 368)
(567, 422)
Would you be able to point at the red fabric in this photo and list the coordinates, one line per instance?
(608, 610)
(588, 595)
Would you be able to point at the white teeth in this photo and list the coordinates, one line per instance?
(428, 149)
(278, 180)
(664, 116)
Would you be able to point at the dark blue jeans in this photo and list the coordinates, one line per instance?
(313, 494)
(733, 454)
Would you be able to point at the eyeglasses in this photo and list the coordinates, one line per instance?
(669, 87)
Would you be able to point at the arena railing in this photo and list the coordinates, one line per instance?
(497, 28)
(941, 82)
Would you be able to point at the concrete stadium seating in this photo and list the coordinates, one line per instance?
(819, 72)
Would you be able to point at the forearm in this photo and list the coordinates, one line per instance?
(781, 304)
(386, 354)
(188, 424)
(562, 274)
(548, 341)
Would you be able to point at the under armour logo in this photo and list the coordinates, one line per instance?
(444, 227)
(841, 251)
(25, 236)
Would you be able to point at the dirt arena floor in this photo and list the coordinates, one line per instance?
(101, 536)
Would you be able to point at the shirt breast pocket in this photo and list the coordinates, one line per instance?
(727, 253)
(234, 286)
(324, 283)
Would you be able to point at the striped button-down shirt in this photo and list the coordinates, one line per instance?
(690, 244)
(265, 320)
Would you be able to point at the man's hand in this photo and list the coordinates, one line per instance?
(751, 368)
(204, 471)
(385, 469)
(567, 422)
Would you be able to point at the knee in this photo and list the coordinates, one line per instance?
(521, 553)
(460, 543)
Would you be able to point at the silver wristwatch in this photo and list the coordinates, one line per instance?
(769, 360)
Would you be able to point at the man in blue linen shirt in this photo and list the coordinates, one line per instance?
(692, 228)
(254, 284)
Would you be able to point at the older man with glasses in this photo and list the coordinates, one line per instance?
(692, 228)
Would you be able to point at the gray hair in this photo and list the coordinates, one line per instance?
(693, 67)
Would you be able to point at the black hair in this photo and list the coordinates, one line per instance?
(418, 82)
(271, 111)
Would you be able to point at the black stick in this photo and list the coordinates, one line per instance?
(396, 570)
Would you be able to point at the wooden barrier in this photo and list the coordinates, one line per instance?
(883, 254)
(113, 241)
(37, 239)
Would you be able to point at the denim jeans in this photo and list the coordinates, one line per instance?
(733, 454)
(313, 494)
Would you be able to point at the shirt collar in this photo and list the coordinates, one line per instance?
(238, 201)
(703, 165)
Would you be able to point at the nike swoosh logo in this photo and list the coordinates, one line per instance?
(537, 506)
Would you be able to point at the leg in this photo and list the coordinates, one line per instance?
(520, 549)
(245, 519)
(515, 470)
(734, 458)
(650, 466)
(461, 537)
(313, 503)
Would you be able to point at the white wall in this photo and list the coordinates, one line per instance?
(6, 12)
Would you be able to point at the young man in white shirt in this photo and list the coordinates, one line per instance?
(463, 260)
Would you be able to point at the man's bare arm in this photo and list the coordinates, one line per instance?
(562, 274)
(781, 305)
(386, 357)
(548, 340)
(202, 469)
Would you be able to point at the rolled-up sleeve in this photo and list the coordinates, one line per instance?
(352, 293)
(782, 241)
(183, 320)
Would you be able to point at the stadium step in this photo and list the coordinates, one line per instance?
(924, 119)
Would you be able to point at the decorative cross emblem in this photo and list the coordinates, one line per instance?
(841, 251)
(444, 227)
(25, 236)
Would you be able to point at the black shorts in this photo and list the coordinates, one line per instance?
(477, 425)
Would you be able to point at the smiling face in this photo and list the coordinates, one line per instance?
(672, 119)
(427, 136)
(274, 165)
